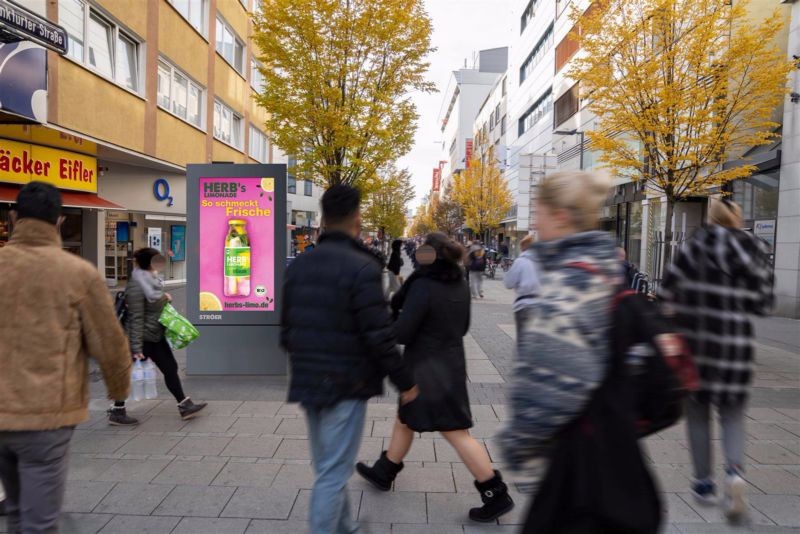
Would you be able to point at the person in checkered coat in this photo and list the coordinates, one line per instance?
(720, 277)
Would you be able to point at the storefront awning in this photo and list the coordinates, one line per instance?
(69, 199)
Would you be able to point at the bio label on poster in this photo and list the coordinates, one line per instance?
(237, 244)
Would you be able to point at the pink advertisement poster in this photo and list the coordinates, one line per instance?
(237, 244)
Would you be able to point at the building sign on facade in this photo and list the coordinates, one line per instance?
(766, 231)
(468, 154)
(21, 163)
(437, 179)
(23, 80)
(19, 24)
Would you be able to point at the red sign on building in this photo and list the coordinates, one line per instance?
(468, 155)
(437, 179)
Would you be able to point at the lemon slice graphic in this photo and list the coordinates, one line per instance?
(268, 184)
(209, 302)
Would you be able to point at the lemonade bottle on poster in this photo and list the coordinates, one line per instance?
(237, 259)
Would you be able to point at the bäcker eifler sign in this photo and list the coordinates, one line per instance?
(17, 23)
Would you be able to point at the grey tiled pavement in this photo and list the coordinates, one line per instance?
(244, 467)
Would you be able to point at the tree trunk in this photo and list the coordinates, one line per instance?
(668, 235)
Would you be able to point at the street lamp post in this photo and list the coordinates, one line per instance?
(574, 132)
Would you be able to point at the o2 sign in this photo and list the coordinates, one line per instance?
(161, 191)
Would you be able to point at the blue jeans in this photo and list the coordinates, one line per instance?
(335, 434)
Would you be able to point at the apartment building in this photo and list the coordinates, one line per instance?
(144, 88)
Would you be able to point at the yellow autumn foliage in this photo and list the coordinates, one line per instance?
(338, 80)
(680, 87)
(482, 192)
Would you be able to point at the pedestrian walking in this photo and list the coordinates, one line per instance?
(145, 298)
(476, 265)
(571, 400)
(336, 328)
(523, 276)
(720, 277)
(434, 318)
(58, 314)
(394, 266)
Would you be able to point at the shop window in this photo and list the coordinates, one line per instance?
(5, 224)
(179, 95)
(567, 105)
(194, 11)
(758, 200)
(100, 44)
(72, 230)
(230, 46)
(227, 125)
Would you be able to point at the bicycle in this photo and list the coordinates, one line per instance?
(491, 268)
(506, 264)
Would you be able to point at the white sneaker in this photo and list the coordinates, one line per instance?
(735, 503)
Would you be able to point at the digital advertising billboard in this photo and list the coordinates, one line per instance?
(237, 244)
(236, 256)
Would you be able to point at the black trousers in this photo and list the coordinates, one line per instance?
(160, 353)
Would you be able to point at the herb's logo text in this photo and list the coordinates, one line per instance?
(223, 189)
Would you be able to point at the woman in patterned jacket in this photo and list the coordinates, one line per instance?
(721, 276)
(569, 403)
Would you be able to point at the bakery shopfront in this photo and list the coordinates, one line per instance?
(74, 173)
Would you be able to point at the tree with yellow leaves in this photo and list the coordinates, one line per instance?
(386, 202)
(679, 87)
(423, 220)
(447, 214)
(338, 80)
(482, 192)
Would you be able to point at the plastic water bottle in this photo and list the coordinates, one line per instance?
(137, 377)
(150, 391)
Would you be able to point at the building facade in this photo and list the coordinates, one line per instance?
(531, 75)
(144, 88)
(465, 94)
(787, 239)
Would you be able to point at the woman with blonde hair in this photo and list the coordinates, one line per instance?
(570, 403)
(720, 277)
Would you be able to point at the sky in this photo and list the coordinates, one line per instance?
(460, 28)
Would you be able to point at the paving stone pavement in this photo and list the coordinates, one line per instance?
(244, 466)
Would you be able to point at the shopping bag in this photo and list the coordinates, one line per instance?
(179, 331)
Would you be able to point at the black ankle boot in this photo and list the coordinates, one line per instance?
(118, 416)
(495, 497)
(382, 474)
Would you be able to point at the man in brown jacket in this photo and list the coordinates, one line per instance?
(57, 314)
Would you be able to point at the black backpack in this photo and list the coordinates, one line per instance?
(121, 307)
(661, 370)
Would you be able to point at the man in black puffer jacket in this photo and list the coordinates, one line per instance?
(336, 327)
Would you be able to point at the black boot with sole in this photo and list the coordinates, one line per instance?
(382, 474)
(190, 410)
(495, 497)
(118, 416)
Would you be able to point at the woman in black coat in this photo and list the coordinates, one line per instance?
(434, 313)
